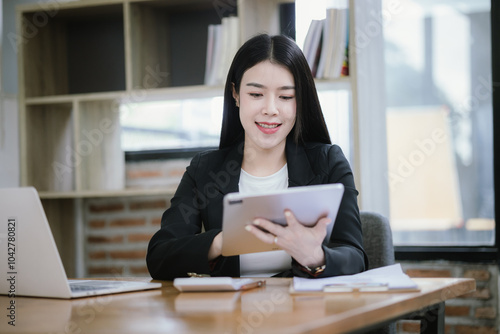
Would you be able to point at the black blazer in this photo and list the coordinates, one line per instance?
(180, 246)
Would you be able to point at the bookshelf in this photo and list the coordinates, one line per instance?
(79, 60)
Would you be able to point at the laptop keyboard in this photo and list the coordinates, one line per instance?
(91, 286)
(81, 287)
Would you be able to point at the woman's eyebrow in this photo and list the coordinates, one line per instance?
(254, 84)
(258, 85)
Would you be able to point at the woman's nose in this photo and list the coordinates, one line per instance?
(270, 107)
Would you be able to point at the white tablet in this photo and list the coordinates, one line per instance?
(308, 203)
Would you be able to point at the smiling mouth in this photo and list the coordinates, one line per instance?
(268, 126)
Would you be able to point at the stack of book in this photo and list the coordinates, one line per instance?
(222, 44)
(327, 43)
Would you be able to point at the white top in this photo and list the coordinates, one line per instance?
(264, 264)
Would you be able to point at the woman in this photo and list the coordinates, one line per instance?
(273, 136)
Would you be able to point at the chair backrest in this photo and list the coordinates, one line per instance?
(377, 239)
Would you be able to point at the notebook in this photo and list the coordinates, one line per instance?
(308, 203)
(30, 264)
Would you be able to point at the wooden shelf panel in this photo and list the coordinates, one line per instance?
(49, 136)
(342, 83)
(166, 93)
(176, 93)
(182, 4)
(64, 8)
(46, 73)
(101, 159)
(136, 95)
(74, 98)
(100, 193)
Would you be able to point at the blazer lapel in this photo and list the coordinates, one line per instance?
(300, 172)
(230, 170)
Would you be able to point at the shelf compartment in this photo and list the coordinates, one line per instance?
(99, 143)
(265, 17)
(50, 156)
(59, 212)
(157, 30)
(77, 51)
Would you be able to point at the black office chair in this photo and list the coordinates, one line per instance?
(377, 242)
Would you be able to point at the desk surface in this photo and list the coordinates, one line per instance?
(270, 309)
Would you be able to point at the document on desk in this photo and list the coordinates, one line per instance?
(385, 279)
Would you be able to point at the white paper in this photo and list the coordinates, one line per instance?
(392, 275)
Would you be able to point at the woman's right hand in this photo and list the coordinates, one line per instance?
(216, 248)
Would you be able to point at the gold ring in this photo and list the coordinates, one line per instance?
(275, 240)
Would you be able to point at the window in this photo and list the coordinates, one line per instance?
(439, 122)
(163, 125)
(195, 124)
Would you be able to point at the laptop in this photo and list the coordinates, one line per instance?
(30, 264)
(308, 203)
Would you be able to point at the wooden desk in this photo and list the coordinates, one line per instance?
(270, 309)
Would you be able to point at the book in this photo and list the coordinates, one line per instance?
(222, 44)
(345, 63)
(312, 44)
(326, 44)
(339, 44)
(287, 19)
(209, 61)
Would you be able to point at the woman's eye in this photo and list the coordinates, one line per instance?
(287, 97)
(255, 94)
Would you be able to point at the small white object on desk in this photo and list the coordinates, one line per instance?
(198, 284)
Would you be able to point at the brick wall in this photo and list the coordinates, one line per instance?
(117, 232)
(475, 313)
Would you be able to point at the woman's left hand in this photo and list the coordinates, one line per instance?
(301, 242)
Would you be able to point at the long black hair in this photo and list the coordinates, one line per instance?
(309, 124)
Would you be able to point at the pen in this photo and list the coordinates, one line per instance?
(255, 284)
(197, 275)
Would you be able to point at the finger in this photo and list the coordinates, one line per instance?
(322, 225)
(260, 234)
(268, 226)
(324, 221)
(291, 220)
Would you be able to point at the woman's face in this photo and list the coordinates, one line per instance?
(267, 105)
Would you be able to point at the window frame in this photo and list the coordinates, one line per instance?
(164, 154)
